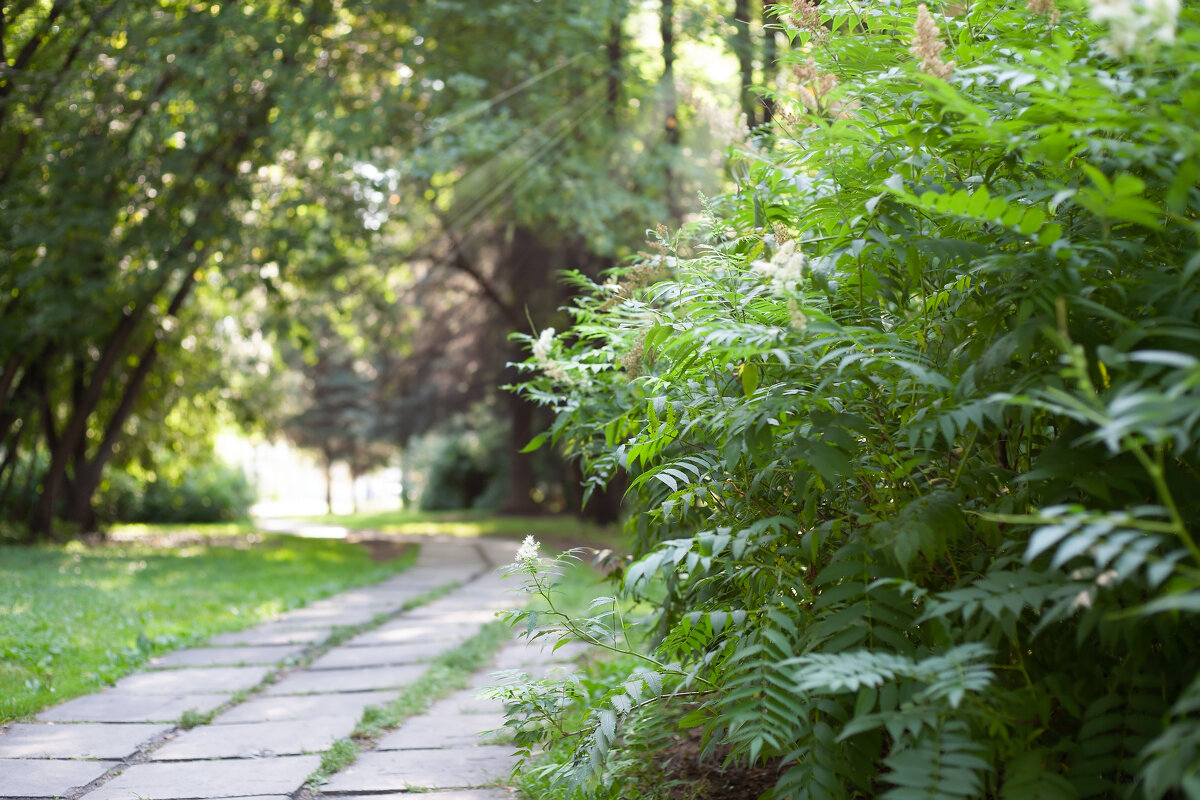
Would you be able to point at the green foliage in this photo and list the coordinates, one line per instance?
(911, 422)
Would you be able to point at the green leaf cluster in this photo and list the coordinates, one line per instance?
(911, 420)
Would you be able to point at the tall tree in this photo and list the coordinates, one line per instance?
(339, 136)
(338, 417)
(123, 162)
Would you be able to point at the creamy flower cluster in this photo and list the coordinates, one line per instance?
(785, 271)
(814, 85)
(541, 356)
(1045, 7)
(528, 552)
(807, 17)
(928, 45)
(1132, 24)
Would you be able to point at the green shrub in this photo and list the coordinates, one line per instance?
(19, 496)
(461, 466)
(119, 498)
(212, 492)
(911, 420)
(205, 492)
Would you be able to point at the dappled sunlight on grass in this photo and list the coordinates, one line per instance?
(134, 530)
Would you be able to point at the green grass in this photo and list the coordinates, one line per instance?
(478, 523)
(74, 618)
(137, 530)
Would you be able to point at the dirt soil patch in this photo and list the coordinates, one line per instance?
(691, 778)
(381, 550)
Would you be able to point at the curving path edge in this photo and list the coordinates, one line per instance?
(124, 743)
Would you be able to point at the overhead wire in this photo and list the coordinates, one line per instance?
(524, 165)
(485, 105)
(467, 215)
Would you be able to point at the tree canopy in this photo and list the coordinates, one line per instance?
(180, 180)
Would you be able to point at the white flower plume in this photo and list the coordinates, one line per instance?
(528, 552)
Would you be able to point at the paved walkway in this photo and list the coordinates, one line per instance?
(124, 743)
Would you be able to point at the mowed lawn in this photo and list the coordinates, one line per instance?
(74, 618)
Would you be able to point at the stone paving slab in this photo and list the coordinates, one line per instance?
(391, 597)
(405, 631)
(254, 751)
(257, 739)
(469, 701)
(381, 656)
(439, 729)
(193, 680)
(209, 779)
(43, 778)
(272, 633)
(459, 768)
(458, 614)
(330, 616)
(86, 740)
(423, 578)
(490, 589)
(553, 670)
(520, 655)
(472, 597)
(112, 705)
(453, 794)
(338, 604)
(227, 656)
(271, 709)
(425, 614)
(328, 681)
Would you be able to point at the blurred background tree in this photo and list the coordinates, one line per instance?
(185, 186)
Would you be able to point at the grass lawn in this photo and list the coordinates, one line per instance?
(73, 617)
(210, 530)
(551, 529)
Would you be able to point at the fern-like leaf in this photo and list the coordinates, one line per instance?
(944, 764)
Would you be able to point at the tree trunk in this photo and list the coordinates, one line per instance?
(77, 507)
(328, 458)
(770, 54)
(614, 60)
(743, 48)
(670, 102)
(86, 471)
(405, 501)
(82, 408)
(520, 465)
